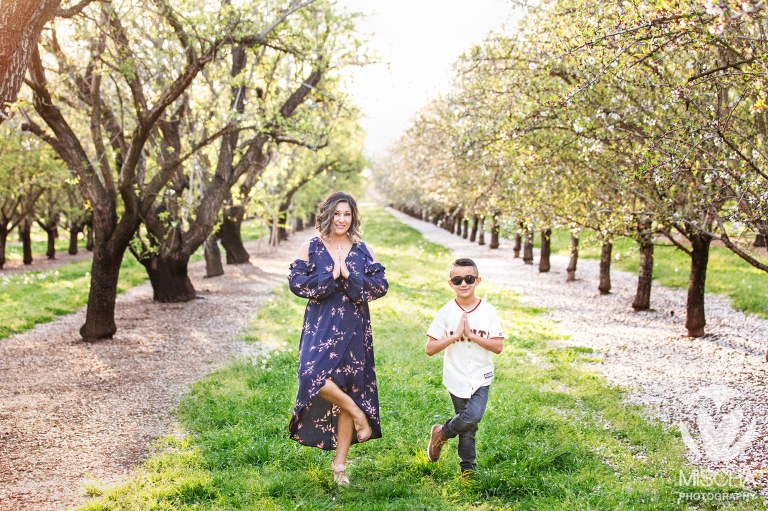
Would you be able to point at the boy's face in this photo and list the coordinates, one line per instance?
(463, 290)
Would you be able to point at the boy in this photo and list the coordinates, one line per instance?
(468, 329)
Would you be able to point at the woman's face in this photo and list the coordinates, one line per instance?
(342, 219)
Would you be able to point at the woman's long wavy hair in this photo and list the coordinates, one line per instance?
(324, 222)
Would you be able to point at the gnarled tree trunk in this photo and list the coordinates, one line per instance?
(212, 256)
(494, 232)
(100, 314)
(169, 276)
(528, 247)
(571, 270)
(695, 319)
(230, 236)
(21, 22)
(546, 246)
(645, 275)
(605, 268)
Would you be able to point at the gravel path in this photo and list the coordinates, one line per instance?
(42, 263)
(648, 352)
(69, 410)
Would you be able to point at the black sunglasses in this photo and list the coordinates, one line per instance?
(469, 279)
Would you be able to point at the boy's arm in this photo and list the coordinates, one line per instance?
(438, 345)
(494, 344)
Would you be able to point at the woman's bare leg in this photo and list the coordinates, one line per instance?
(343, 437)
(333, 394)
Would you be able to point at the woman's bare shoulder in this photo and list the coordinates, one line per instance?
(373, 254)
(304, 252)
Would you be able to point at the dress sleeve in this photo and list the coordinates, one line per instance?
(367, 285)
(305, 284)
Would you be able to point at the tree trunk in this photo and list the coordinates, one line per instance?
(494, 232)
(100, 313)
(213, 267)
(282, 219)
(605, 268)
(546, 247)
(26, 240)
(473, 234)
(74, 230)
(168, 274)
(518, 245)
(3, 238)
(458, 225)
(574, 259)
(52, 231)
(230, 236)
(528, 247)
(20, 24)
(299, 224)
(465, 235)
(481, 234)
(695, 319)
(759, 241)
(89, 239)
(645, 276)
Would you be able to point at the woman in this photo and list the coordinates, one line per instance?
(337, 402)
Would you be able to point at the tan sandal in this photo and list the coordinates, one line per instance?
(340, 473)
(364, 432)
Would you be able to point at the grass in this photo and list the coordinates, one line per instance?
(727, 274)
(554, 437)
(37, 297)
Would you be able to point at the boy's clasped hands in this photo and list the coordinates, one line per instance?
(339, 265)
(463, 331)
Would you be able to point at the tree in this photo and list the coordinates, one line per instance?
(113, 93)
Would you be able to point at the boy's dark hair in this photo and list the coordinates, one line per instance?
(466, 262)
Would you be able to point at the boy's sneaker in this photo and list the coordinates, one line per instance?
(436, 442)
(467, 474)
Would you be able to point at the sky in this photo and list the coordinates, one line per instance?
(417, 42)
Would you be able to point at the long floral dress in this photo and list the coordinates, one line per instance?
(336, 341)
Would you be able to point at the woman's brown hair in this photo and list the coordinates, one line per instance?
(324, 222)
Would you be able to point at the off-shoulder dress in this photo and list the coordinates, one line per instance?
(336, 341)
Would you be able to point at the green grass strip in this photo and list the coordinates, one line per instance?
(727, 273)
(554, 437)
(30, 298)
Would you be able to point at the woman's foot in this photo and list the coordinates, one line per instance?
(339, 473)
(363, 429)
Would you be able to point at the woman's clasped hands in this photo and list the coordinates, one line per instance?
(340, 266)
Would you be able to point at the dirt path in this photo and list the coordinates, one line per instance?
(70, 409)
(648, 352)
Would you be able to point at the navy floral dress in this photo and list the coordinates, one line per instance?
(336, 341)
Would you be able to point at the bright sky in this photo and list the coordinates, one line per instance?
(417, 41)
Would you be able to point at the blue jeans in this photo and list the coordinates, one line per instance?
(469, 412)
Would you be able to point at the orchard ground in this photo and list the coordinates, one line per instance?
(556, 434)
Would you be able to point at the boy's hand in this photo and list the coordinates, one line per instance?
(466, 331)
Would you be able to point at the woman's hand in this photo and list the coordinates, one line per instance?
(341, 263)
(336, 268)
